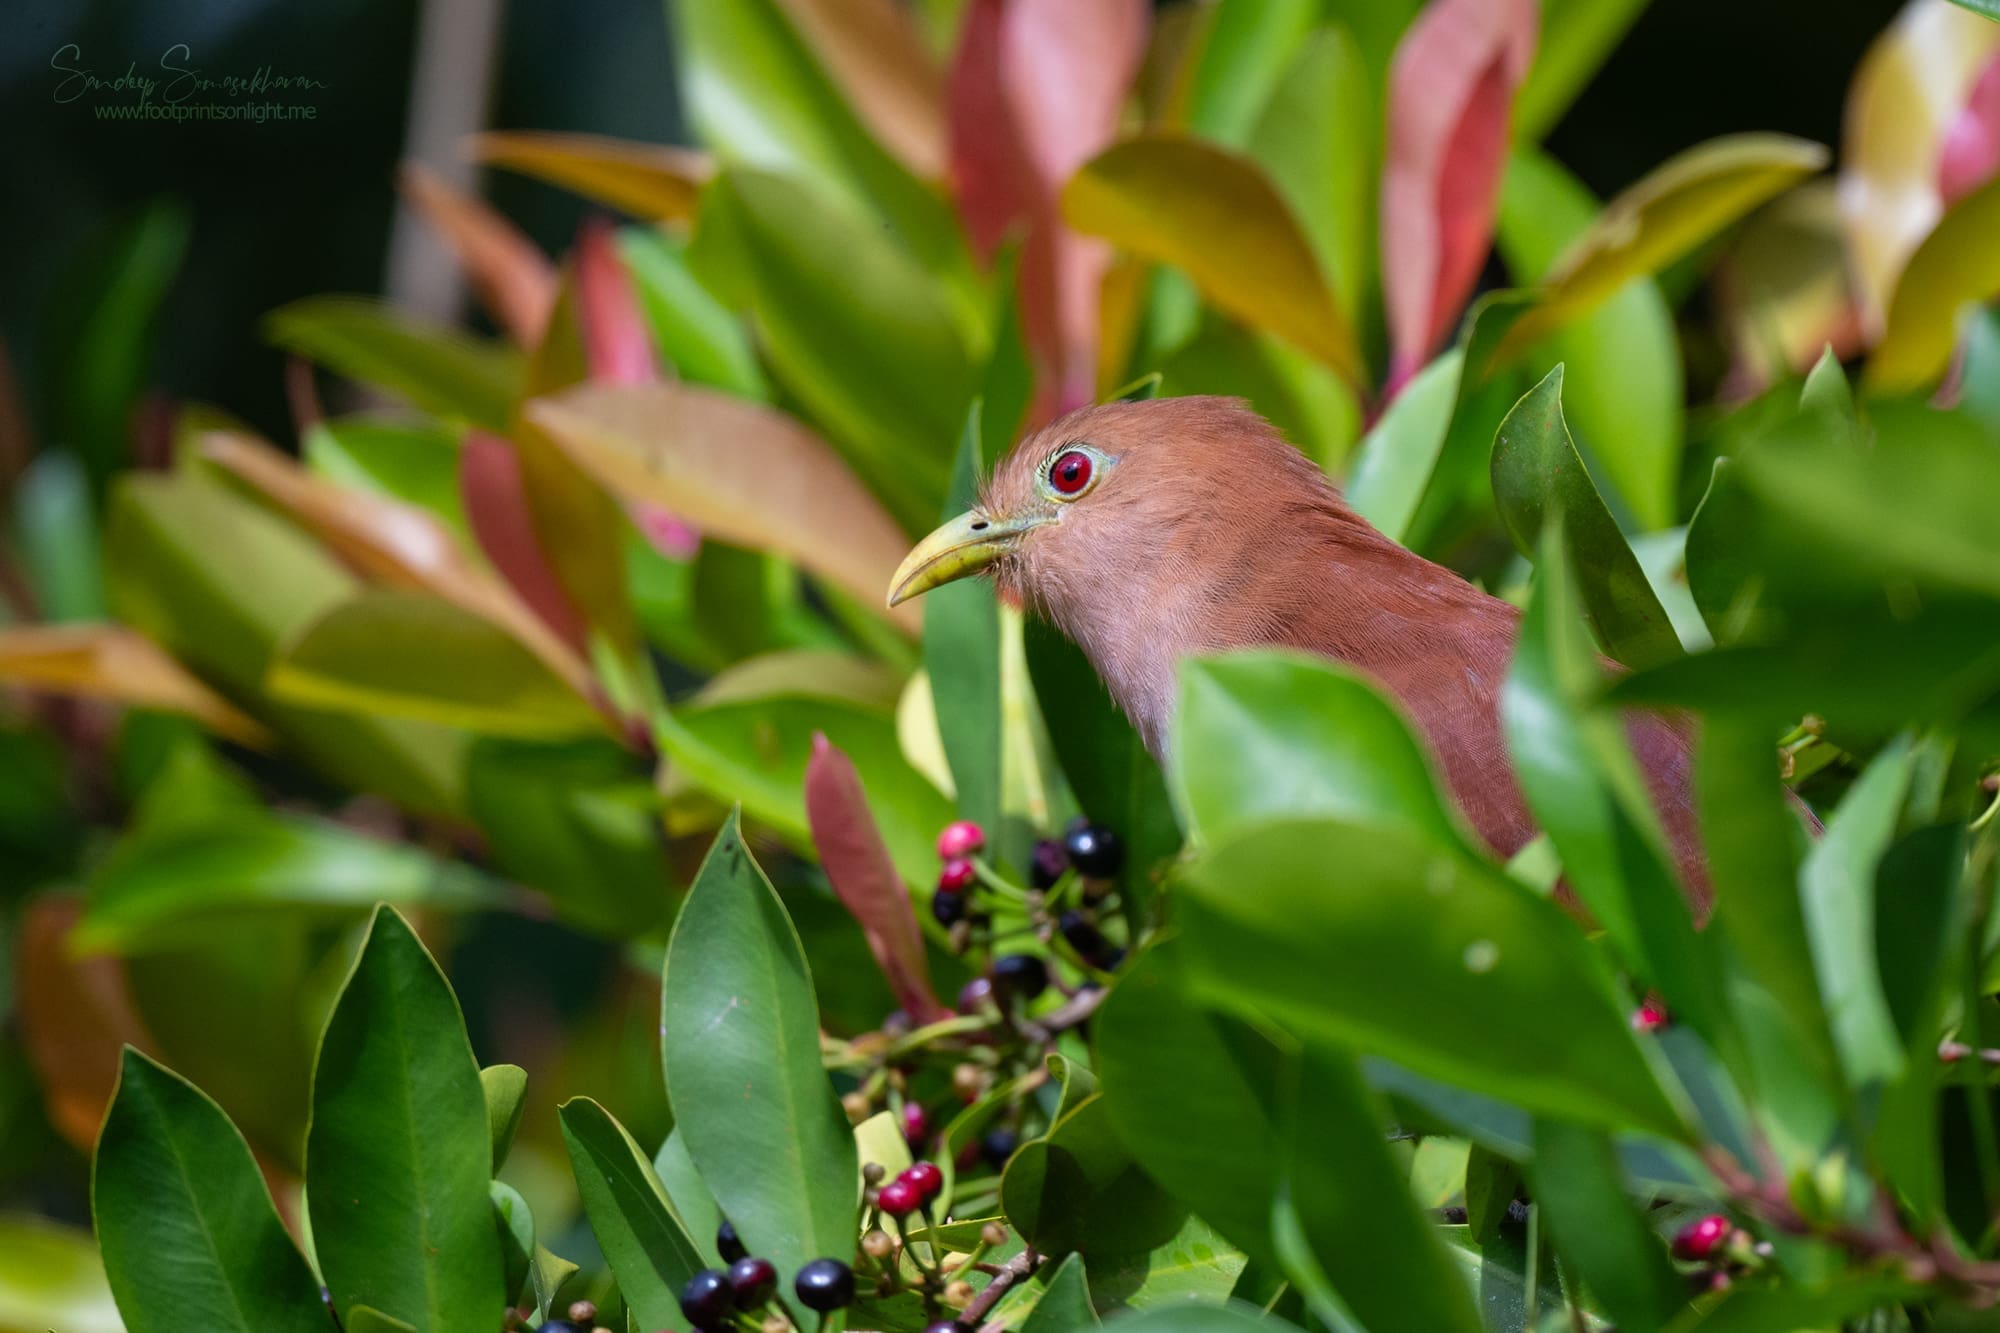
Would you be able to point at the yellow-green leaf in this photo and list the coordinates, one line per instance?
(650, 181)
(1216, 215)
(1957, 264)
(112, 662)
(1676, 207)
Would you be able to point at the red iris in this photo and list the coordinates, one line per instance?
(1071, 472)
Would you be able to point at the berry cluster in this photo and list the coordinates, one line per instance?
(1722, 1249)
(1080, 867)
(715, 1298)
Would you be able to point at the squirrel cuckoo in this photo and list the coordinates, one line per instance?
(1150, 531)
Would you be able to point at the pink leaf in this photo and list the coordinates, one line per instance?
(1036, 90)
(1970, 155)
(858, 865)
(496, 506)
(616, 341)
(1451, 91)
(672, 537)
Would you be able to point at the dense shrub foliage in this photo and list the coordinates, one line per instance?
(846, 966)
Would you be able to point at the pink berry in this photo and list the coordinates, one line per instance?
(1649, 1017)
(929, 1181)
(915, 1123)
(956, 876)
(1699, 1238)
(899, 1198)
(960, 839)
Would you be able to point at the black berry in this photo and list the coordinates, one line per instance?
(708, 1300)
(1095, 851)
(727, 1244)
(1047, 864)
(824, 1284)
(1021, 974)
(998, 1146)
(755, 1281)
(948, 908)
(1083, 936)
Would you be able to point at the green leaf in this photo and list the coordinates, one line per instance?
(1538, 477)
(1115, 780)
(648, 1248)
(1395, 460)
(51, 1278)
(1311, 923)
(1583, 1197)
(1244, 47)
(688, 1196)
(365, 1319)
(437, 369)
(1954, 267)
(415, 463)
(159, 889)
(1345, 1201)
(188, 1232)
(1579, 776)
(1269, 734)
(1065, 1302)
(400, 1153)
(694, 331)
(506, 1089)
(1217, 217)
(962, 657)
(514, 1224)
(55, 531)
(1490, 1185)
(548, 1272)
(1077, 1187)
(1826, 390)
(1625, 389)
(859, 333)
(739, 1039)
(409, 654)
(1203, 1318)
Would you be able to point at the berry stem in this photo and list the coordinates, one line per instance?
(992, 880)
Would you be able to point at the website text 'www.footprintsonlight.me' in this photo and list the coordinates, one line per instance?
(255, 112)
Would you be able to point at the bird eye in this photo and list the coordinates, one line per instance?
(1070, 473)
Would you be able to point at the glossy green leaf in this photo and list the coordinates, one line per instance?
(694, 331)
(1202, 1317)
(1538, 477)
(506, 1089)
(219, 582)
(1194, 1265)
(411, 655)
(1675, 208)
(437, 369)
(414, 463)
(186, 1227)
(643, 1239)
(1217, 217)
(688, 1196)
(1624, 390)
(366, 1319)
(1269, 734)
(1115, 780)
(1579, 776)
(52, 1278)
(1393, 464)
(1310, 923)
(739, 1037)
(1246, 45)
(962, 655)
(514, 1224)
(1065, 1302)
(400, 1153)
(1954, 268)
(855, 330)
(547, 1273)
(1600, 1232)
(161, 888)
(1077, 1187)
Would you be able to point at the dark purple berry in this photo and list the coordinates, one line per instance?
(927, 1178)
(1083, 936)
(975, 995)
(727, 1244)
(557, 1326)
(998, 1147)
(754, 1280)
(948, 908)
(708, 1300)
(824, 1284)
(1021, 974)
(1047, 864)
(1095, 851)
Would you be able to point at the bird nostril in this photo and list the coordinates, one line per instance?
(980, 526)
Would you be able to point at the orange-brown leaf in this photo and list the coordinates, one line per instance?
(113, 662)
(514, 281)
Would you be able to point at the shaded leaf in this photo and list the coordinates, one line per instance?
(506, 1089)
(737, 1017)
(399, 1154)
(962, 657)
(1077, 1186)
(1065, 1302)
(1582, 1194)
(858, 866)
(437, 369)
(643, 1239)
(121, 665)
(656, 182)
(514, 281)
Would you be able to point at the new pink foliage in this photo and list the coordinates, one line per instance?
(1036, 89)
(1970, 154)
(1451, 93)
(864, 878)
(496, 504)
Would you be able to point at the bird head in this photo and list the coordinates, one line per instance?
(1108, 500)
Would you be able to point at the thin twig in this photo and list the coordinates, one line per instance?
(1017, 1268)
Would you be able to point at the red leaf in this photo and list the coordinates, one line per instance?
(858, 865)
(616, 341)
(496, 505)
(1036, 90)
(1970, 155)
(1451, 89)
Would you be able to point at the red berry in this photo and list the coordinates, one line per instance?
(1649, 1017)
(957, 876)
(1699, 1239)
(929, 1181)
(899, 1198)
(960, 839)
(915, 1123)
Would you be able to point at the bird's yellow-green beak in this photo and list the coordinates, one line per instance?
(959, 549)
